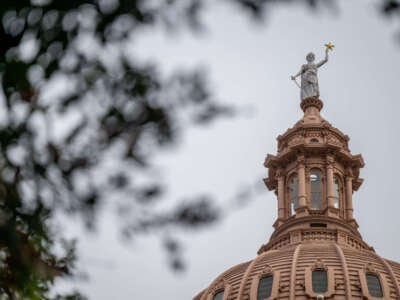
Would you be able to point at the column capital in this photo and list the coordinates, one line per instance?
(348, 178)
(301, 161)
(330, 161)
(279, 174)
(349, 173)
(330, 164)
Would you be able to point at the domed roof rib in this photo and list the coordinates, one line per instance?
(246, 276)
(395, 267)
(345, 271)
(294, 273)
(392, 275)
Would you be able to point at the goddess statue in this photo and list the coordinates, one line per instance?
(309, 74)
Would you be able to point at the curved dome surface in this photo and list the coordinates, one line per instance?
(291, 266)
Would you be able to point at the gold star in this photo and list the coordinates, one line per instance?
(329, 46)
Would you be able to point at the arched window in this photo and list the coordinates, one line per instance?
(374, 285)
(336, 191)
(219, 295)
(319, 281)
(316, 190)
(265, 287)
(294, 193)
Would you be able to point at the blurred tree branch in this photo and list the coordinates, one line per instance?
(390, 7)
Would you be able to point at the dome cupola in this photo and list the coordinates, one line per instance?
(314, 176)
(316, 250)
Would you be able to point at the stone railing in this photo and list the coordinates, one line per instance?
(316, 212)
(316, 235)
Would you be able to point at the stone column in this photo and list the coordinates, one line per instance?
(349, 195)
(301, 171)
(330, 189)
(329, 181)
(281, 195)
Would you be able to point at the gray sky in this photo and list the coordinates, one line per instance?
(250, 66)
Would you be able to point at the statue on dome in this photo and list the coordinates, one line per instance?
(309, 74)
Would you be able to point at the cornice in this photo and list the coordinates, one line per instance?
(325, 128)
(313, 218)
(298, 230)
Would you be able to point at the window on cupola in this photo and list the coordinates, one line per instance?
(316, 190)
(319, 281)
(336, 187)
(219, 295)
(265, 287)
(374, 285)
(293, 193)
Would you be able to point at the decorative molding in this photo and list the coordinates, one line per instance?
(295, 237)
(349, 173)
(311, 101)
(301, 284)
(300, 161)
(319, 265)
(283, 287)
(330, 161)
(279, 173)
(369, 268)
(267, 270)
(357, 285)
(338, 283)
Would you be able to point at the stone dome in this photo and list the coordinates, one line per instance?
(291, 267)
(316, 250)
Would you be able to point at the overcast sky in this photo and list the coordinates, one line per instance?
(250, 66)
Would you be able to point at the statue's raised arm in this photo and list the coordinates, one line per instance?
(309, 74)
(325, 60)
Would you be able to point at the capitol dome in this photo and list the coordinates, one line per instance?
(316, 250)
